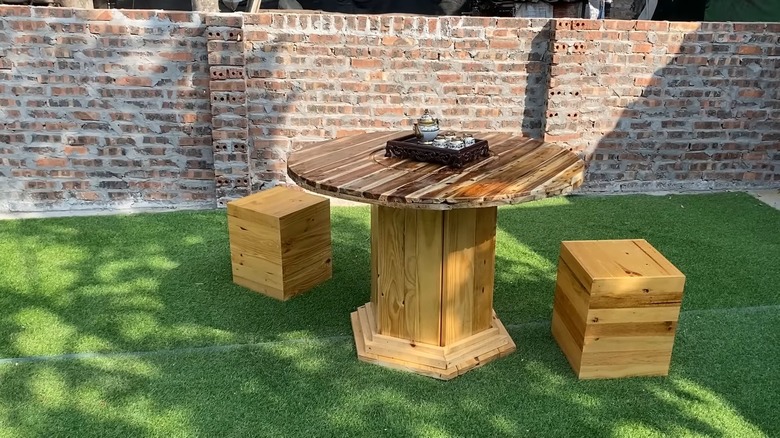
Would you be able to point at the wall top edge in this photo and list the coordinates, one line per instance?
(265, 17)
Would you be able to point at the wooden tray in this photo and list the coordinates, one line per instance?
(408, 147)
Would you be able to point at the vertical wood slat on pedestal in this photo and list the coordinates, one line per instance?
(406, 269)
(484, 268)
(427, 249)
(410, 303)
(390, 272)
(374, 253)
(458, 272)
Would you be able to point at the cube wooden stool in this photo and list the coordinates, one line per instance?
(616, 307)
(280, 241)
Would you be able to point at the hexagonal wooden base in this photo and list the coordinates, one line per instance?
(442, 363)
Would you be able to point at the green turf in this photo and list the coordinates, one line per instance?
(156, 283)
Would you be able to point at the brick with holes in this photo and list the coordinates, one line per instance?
(280, 242)
(616, 307)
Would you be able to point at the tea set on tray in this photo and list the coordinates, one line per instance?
(427, 132)
(428, 144)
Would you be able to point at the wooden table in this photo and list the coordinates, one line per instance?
(433, 232)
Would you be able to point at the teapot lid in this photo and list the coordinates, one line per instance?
(426, 118)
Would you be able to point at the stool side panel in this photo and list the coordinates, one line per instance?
(633, 314)
(663, 328)
(301, 281)
(258, 287)
(575, 291)
(569, 315)
(596, 344)
(606, 371)
(256, 239)
(616, 301)
(306, 247)
(628, 286)
(306, 232)
(257, 269)
(566, 341)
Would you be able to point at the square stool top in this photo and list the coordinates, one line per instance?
(602, 265)
(276, 203)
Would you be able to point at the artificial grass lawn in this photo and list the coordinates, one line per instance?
(147, 283)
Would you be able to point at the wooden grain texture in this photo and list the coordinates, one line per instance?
(484, 267)
(458, 289)
(390, 272)
(519, 169)
(616, 307)
(280, 241)
(374, 257)
(429, 360)
(432, 273)
(428, 274)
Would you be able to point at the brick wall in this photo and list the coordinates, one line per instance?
(669, 106)
(103, 109)
(315, 76)
(116, 108)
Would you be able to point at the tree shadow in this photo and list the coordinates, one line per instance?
(317, 387)
(107, 109)
(697, 116)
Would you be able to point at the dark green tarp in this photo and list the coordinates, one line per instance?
(742, 10)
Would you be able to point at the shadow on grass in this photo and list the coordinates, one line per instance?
(152, 282)
(317, 388)
(157, 282)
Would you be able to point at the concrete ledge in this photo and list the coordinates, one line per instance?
(771, 197)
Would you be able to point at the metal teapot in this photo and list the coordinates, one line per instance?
(426, 128)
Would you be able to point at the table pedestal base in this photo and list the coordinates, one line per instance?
(430, 360)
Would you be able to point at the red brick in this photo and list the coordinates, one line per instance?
(15, 11)
(659, 26)
(504, 43)
(642, 47)
(620, 24)
(263, 19)
(51, 162)
(749, 50)
(755, 92)
(110, 29)
(176, 56)
(84, 115)
(585, 24)
(750, 27)
(365, 63)
(133, 81)
(682, 26)
(562, 24)
(646, 82)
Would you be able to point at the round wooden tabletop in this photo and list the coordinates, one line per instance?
(518, 169)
